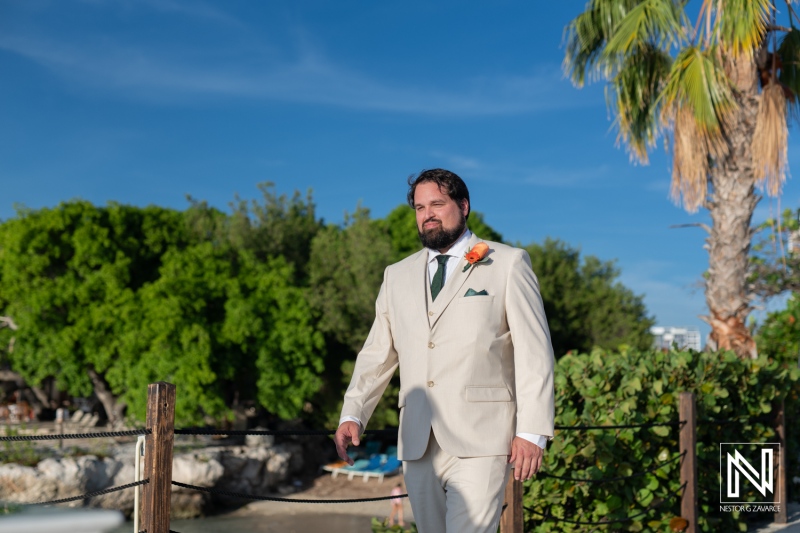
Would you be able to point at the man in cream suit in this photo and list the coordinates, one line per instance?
(476, 366)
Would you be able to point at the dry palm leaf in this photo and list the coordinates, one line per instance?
(770, 140)
(689, 161)
(698, 101)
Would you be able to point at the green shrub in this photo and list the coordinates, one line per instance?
(779, 335)
(605, 388)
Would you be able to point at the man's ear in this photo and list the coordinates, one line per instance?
(464, 207)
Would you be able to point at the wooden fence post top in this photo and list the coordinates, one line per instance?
(511, 517)
(158, 457)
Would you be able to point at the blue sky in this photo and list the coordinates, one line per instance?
(146, 101)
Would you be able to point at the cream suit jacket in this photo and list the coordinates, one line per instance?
(475, 369)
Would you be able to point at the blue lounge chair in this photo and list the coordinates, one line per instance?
(358, 465)
(389, 466)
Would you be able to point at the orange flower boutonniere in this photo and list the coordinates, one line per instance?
(477, 255)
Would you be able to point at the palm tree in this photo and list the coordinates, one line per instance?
(720, 89)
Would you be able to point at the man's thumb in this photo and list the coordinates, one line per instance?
(356, 441)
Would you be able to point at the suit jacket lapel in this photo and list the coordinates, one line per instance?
(419, 273)
(452, 285)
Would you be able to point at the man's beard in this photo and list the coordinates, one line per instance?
(438, 238)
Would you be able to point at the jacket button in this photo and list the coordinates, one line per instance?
(430, 313)
(430, 384)
(431, 345)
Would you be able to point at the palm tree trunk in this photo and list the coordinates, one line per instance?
(731, 204)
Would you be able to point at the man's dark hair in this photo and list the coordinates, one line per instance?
(449, 182)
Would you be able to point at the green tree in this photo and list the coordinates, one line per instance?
(401, 225)
(69, 280)
(775, 257)
(779, 336)
(718, 88)
(586, 305)
(274, 225)
(109, 299)
(346, 271)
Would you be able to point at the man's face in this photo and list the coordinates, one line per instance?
(440, 220)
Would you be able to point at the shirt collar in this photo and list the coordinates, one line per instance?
(457, 250)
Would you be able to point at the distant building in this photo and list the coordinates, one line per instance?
(683, 337)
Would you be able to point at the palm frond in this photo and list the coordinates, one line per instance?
(743, 25)
(690, 161)
(636, 89)
(698, 100)
(770, 139)
(789, 77)
(697, 80)
(586, 35)
(652, 22)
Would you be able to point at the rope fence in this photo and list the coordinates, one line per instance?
(278, 499)
(619, 478)
(94, 435)
(277, 432)
(621, 426)
(160, 434)
(325, 433)
(607, 522)
(92, 494)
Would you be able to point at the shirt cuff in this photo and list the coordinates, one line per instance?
(351, 419)
(539, 440)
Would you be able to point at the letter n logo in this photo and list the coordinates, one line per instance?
(746, 468)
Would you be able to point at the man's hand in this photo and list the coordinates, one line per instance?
(347, 434)
(526, 456)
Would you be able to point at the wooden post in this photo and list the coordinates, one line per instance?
(688, 447)
(781, 492)
(158, 457)
(511, 517)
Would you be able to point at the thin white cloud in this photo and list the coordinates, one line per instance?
(457, 161)
(679, 301)
(309, 78)
(661, 186)
(569, 177)
(194, 9)
(545, 176)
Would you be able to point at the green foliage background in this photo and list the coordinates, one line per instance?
(263, 306)
(637, 387)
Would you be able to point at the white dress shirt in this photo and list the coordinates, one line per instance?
(455, 253)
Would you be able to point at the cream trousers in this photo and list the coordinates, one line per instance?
(456, 494)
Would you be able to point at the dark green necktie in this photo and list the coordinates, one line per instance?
(438, 278)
